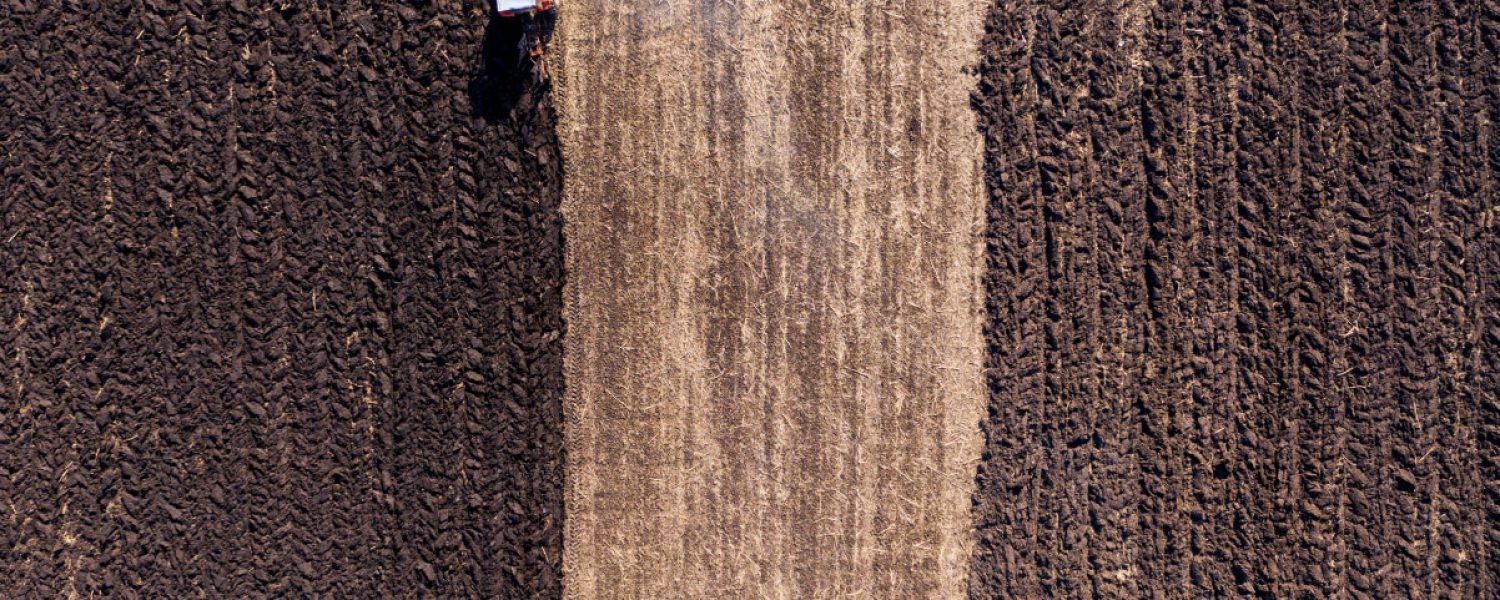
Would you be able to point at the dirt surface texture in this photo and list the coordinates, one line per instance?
(282, 300)
(280, 305)
(1242, 300)
(774, 327)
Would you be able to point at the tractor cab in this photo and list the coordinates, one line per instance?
(535, 18)
(512, 8)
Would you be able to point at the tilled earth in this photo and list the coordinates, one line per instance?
(279, 303)
(1242, 300)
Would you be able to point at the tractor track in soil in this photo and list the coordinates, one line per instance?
(279, 309)
(1242, 300)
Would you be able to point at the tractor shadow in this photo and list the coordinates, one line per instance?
(506, 73)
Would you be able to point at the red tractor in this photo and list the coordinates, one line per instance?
(533, 38)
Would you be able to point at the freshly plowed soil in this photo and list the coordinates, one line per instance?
(1242, 300)
(279, 304)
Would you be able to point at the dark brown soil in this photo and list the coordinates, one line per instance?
(279, 304)
(1243, 301)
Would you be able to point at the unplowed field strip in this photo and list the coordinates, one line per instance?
(774, 343)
